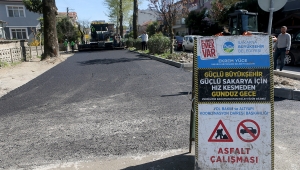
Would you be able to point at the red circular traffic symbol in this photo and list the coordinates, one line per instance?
(252, 131)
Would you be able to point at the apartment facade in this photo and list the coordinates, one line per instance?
(179, 26)
(20, 23)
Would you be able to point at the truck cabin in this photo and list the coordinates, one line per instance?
(242, 21)
(100, 32)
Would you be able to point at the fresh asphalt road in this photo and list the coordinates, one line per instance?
(93, 105)
(103, 103)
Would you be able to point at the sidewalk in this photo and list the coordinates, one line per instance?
(289, 71)
(15, 76)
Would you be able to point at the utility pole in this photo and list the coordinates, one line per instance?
(135, 19)
(67, 12)
(121, 18)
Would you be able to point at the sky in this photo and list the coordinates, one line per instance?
(89, 10)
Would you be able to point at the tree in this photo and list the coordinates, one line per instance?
(50, 37)
(83, 27)
(170, 11)
(152, 28)
(220, 9)
(121, 18)
(135, 17)
(66, 30)
(49, 10)
(34, 5)
(115, 15)
(194, 19)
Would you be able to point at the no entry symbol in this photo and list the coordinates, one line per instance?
(248, 130)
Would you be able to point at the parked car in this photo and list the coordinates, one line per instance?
(188, 42)
(242, 131)
(178, 40)
(293, 57)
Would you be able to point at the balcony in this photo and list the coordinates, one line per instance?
(179, 23)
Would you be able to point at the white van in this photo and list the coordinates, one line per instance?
(188, 42)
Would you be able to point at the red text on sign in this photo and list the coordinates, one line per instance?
(226, 155)
(234, 159)
(233, 151)
(208, 48)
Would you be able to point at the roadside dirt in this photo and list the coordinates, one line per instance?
(12, 77)
(284, 82)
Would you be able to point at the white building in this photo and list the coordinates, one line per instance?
(147, 15)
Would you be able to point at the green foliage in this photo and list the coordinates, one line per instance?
(220, 9)
(129, 42)
(114, 9)
(66, 30)
(152, 28)
(193, 20)
(199, 26)
(34, 5)
(137, 44)
(3, 64)
(129, 35)
(158, 44)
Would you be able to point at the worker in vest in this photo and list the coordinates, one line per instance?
(72, 45)
(66, 45)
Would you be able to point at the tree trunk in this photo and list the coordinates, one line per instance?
(121, 19)
(81, 32)
(171, 38)
(117, 26)
(135, 19)
(51, 48)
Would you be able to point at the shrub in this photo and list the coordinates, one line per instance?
(129, 42)
(138, 44)
(34, 43)
(158, 44)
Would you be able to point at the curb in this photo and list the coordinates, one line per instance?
(286, 74)
(289, 94)
(278, 92)
(170, 62)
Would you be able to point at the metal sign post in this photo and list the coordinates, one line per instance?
(270, 17)
(271, 6)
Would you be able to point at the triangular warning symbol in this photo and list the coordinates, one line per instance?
(218, 135)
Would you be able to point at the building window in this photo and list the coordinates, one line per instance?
(15, 11)
(18, 33)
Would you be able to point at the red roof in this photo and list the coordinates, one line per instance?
(147, 23)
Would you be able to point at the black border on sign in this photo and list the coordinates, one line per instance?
(271, 102)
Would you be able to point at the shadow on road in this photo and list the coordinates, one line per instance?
(111, 61)
(178, 162)
(178, 94)
(278, 99)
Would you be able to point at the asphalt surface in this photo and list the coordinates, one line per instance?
(112, 104)
(94, 105)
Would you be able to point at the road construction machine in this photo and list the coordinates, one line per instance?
(242, 22)
(102, 37)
